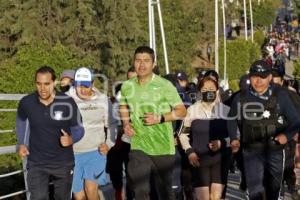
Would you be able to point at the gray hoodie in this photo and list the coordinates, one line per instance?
(96, 116)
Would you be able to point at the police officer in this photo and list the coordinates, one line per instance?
(266, 119)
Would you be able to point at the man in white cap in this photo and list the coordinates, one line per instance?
(90, 152)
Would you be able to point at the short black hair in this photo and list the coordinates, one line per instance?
(156, 70)
(212, 73)
(46, 69)
(145, 49)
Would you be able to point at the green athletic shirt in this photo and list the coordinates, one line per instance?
(157, 96)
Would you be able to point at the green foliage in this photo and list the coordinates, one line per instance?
(103, 32)
(19, 72)
(122, 33)
(7, 139)
(265, 12)
(296, 6)
(240, 55)
(296, 72)
(9, 162)
(234, 10)
(7, 122)
(234, 85)
(188, 28)
(259, 38)
(108, 31)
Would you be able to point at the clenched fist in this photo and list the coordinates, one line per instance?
(23, 151)
(235, 145)
(103, 148)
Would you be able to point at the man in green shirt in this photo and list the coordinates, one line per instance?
(148, 105)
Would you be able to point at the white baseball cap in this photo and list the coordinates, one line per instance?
(83, 77)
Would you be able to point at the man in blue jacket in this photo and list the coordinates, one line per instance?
(263, 120)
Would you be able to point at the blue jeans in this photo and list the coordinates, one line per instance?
(38, 179)
(264, 172)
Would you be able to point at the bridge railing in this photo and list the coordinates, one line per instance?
(12, 148)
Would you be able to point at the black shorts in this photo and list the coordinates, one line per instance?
(210, 172)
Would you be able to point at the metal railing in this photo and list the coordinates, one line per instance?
(12, 149)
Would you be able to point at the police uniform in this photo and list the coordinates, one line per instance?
(260, 118)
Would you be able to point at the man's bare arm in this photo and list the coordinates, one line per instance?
(125, 117)
(177, 113)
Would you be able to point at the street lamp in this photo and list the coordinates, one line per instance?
(245, 20)
(251, 20)
(152, 36)
(216, 37)
(225, 42)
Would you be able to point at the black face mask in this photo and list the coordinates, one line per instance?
(64, 88)
(208, 96)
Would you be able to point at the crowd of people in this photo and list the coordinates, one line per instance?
(282, 42)
(151, 124)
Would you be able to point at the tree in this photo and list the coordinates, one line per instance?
(260, 38)
(240, 55)
(19, 72)
(106, 30)
(122, 33)
(296, 6)
(189, 26)
(264, 13)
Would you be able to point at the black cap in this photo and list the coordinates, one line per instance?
(182, 76)
(260, 68)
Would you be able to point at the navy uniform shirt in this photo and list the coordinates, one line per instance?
(46, 123)
(286, 108)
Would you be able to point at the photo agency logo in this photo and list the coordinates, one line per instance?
(249, 111)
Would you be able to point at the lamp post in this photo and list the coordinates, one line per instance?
(151, 23)
(251, 20)
(225, 42)
(245, 20)
(216, 37)
(152, 35)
